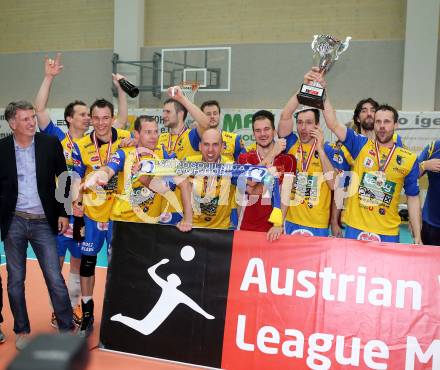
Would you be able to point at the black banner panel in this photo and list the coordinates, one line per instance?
(166, 292)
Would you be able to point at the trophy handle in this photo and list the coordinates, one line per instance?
(315, 37)
(343, 46)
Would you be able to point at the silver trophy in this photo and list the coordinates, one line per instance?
(326, 51)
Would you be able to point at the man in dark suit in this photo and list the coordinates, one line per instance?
(29, 212)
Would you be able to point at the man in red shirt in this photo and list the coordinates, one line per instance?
(257, 207)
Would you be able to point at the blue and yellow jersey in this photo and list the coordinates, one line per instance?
(345, 160)
(133, 201)
(310, 197)
(183, 145)
(97, 203)
(68, 148)
(251, 147)
(431, 209)
(213, 199)
(232, 146)
(373, 205)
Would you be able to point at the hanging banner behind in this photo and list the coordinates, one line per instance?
(417, 129)
(233, 300)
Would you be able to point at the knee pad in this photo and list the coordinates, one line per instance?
(88, 264)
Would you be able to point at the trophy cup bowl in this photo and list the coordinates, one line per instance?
(326, 51)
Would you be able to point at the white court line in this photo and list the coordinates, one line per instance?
(67, 263)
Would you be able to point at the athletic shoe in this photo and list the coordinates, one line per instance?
(86, 327)
(53, 321)
(87, 319)
(21, 341)
(77, 315)
(2, 337)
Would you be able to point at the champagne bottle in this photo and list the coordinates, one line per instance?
(129, 88)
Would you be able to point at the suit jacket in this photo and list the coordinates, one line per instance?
(49, 163)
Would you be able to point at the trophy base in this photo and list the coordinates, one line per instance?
(312, 96)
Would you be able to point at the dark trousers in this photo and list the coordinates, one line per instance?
(430, 234)
(43, 242)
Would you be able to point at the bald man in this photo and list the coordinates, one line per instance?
(213, 198)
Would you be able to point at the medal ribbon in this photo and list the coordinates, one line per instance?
(306, 163)
(387, 161)
(109, 149)
(175, 143)
(69, 137)
(208, 181)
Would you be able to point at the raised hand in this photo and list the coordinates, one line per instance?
(116, 77)
(314, 75)
(318, 134)
(52, 67)
(175, 92)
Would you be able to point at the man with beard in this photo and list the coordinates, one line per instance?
(232, 143)
(255, 213)
(382, 169)
(363, 118)
(308, 209)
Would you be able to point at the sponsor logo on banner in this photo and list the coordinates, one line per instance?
(169, 299)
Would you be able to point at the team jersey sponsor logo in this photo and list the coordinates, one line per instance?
(306, 186)
(69, 231)
(165, 217)
(337, 158)
(367, 236)
(368, 162)
(375, 190)
(102, 226)
(399, 160)
(141, 197)
(95, 158)
(302, 232)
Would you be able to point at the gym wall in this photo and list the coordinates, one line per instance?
(270, 46)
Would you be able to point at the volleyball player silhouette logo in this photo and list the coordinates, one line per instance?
(169, 299)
